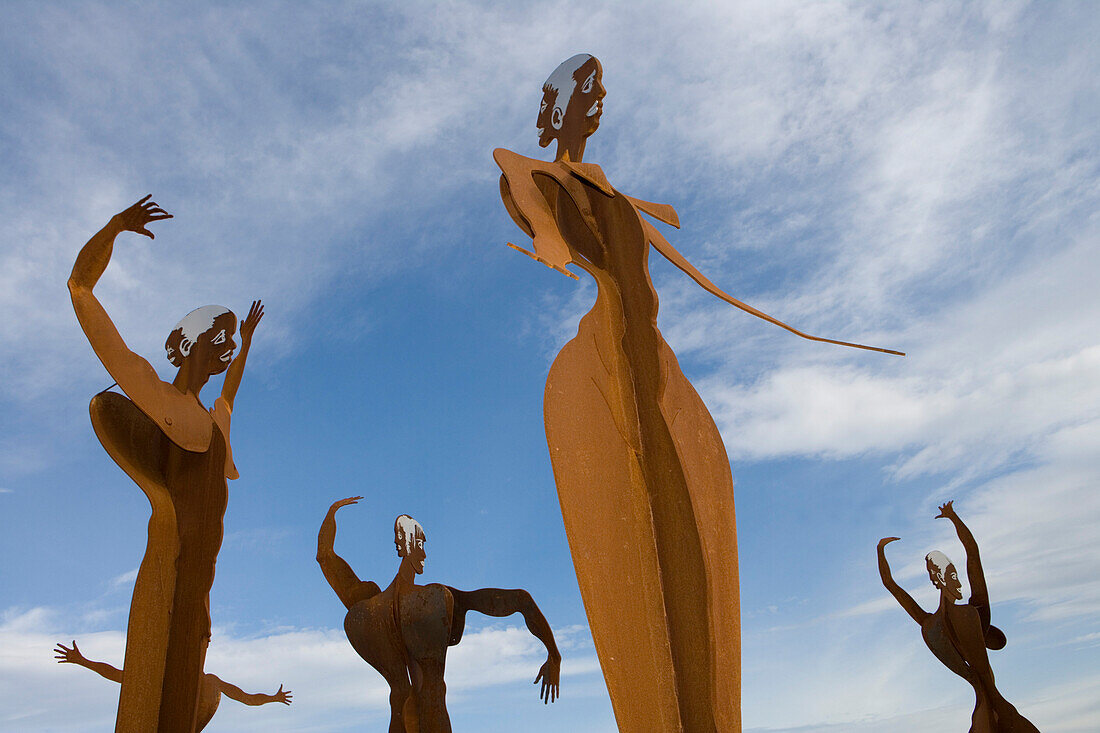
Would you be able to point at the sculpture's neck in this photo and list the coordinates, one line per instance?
(571, 150)
(406, 576)
(190, 381)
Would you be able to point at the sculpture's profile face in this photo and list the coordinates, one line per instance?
(205, 335)
(409, 539)
(942, 573)
(572, 100)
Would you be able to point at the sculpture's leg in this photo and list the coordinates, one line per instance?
(140, 449)
(608, 520)
(200, 495)
(710, 484)
(647, 498)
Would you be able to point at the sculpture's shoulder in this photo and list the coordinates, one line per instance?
(508, 159)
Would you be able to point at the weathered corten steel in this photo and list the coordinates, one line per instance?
(642, 474)
(210, 691)
(404, 630)
(960, 634)
(178, 453)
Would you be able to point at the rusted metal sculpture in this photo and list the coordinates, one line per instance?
(210, 692)
(404, 630)
(960, 634)
(178, 453)
(642, 475)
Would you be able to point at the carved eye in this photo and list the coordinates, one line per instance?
(587, 85)
(542, 107)
(220, 338)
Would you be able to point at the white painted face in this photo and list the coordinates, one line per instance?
(568, 84)
(409, 539)
(208, 322)
(942, 573)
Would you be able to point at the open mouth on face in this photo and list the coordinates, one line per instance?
(227, 356)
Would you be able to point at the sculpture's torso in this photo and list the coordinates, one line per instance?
(169, 626)
(955, 636)
(643, 480)
(418, 637)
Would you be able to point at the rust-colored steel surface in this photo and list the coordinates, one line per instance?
(404, 630)
(642, 474)
(178, 453)
(959, 634)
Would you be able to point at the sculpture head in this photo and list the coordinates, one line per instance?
(205, 335)
(942, 573)
(572, 102)
(409, 538)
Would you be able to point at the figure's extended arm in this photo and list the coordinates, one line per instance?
(979, 594)
(498, 602)
(73, 656)
(236, 369)
(906, 600)
(337, 572)
(663, 246)
(128, 369)
(235, 693)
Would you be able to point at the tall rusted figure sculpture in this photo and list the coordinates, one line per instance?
(178, 453)
(210, 692)
(959, 634)
(404, 630)
(642, 475)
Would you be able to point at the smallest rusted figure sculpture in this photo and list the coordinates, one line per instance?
(210, 691)
(959, 634)
(404, 630)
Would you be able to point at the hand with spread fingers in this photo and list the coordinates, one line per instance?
(248, 327)
(137, 216)
(69, 656)
(281, 696)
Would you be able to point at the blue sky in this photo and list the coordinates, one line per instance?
(917, 176)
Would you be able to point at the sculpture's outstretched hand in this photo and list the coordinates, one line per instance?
(69, 656)
(344, 502)
(549, 673)
(281, 696)
(886, 540)
(947, 511)
(248, 327)
(137, 216)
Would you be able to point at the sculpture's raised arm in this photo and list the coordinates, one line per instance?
(236, 369)
(133, 373)
(911, 607)
(336, 570)
(979, 594)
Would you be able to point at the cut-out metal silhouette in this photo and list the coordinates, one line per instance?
(178, 453)
(404, 630)
(642, 475)
(210, 692)
(959, 634)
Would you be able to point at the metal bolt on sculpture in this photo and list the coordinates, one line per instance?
(210, 693)
(404, 630)
(643, 478)
(960, 634)
(178, 453)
